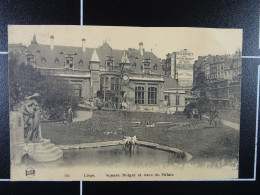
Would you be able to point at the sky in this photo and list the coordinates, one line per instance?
(161, 40)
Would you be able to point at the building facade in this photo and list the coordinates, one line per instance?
(133, 79)
(180, 64)
(223, 75)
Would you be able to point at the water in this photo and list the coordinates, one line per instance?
(115, 156)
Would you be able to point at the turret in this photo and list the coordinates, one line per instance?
(52, 40)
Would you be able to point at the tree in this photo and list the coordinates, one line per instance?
(56, 95)
(201, 87)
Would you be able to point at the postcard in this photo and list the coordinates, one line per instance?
(103, 103)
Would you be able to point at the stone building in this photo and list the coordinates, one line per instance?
(223, 74)
(180, 63)
(133, 78)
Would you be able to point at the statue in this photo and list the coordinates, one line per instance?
(31, 116)
(130, 143)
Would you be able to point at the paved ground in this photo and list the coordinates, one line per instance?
(82, 116)
(230, 124)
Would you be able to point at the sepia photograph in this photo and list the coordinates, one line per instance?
(111, 103)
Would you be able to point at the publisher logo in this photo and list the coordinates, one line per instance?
(30, 172)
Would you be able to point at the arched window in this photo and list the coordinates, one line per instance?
(155, 66)
(57, 61)
(81, 62)
(43, 60)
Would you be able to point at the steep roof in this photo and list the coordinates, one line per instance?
(55, 58)
(170, 83)
(45, 57)
(94, 57)
(125, 59)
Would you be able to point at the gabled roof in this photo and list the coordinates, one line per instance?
(94, 57)
(55, 58)
(125, 59)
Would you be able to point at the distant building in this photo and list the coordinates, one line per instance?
(133, 77)
(181, 63)
(223, 74)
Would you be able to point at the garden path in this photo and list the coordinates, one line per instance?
(82, 115)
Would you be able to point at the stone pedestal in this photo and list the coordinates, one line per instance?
(16, 137)
(42, 151)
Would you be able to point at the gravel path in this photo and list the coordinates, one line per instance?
(82, 115)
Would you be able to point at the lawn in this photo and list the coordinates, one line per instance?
(190, 135)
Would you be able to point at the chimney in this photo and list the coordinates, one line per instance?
(141, 48)
(52, 40)
(83, 45)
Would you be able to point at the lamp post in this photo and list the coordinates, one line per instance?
(177, 99)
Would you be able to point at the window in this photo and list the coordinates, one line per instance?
(69, 61)
(43, 60)
(103, 83)
(146, 63)
(152, 95)
(81, 62)
(77, 90)
(134, 65)
(155, 66)
(30, 60)
(56, 61)
(177, 100)
(109, 62)
(139, 95)
(114, 83)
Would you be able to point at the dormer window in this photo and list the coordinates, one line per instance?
(109, 62)
(81, 62)
(43, 60)
(69, 60)
(30, 59)
(56, 61)
(146, 63)
(155, 66)
(134, 65)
